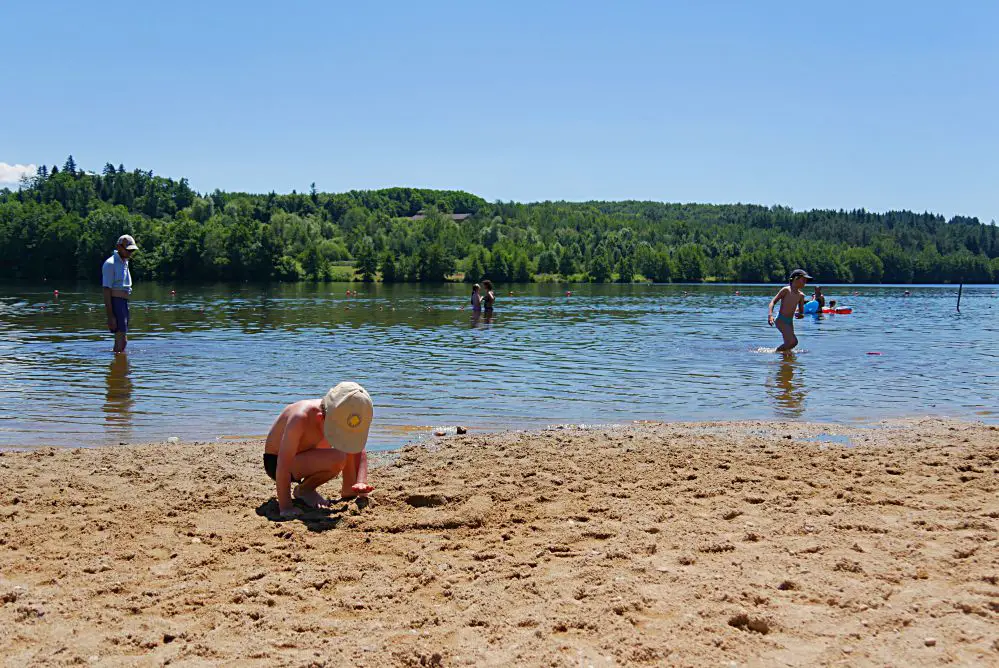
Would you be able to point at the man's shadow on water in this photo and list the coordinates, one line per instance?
(316, 520)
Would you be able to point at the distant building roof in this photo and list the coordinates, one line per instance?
(452, 216)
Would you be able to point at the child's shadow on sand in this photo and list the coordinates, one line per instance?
(315, 519)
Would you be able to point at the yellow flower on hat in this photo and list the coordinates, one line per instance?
(353, 420)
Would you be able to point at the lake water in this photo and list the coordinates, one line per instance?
(220, 361)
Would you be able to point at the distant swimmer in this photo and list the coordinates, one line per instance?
(791, 299)
(488, 299)
(817, 296)
(313, 441)
(476, 298)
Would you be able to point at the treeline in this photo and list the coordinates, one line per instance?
(62, 223)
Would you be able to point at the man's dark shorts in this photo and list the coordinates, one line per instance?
(119, 307)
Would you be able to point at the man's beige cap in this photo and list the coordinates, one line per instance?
(349, 411)
(128, 242)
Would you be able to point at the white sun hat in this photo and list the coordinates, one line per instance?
(348, 410)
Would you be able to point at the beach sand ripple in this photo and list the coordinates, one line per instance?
(687, 544)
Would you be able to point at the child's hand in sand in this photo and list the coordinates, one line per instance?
(362, 488)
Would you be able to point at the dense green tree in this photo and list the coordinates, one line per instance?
(600, 269)
(60, 223)
(313, 264)
(390, 273)
(288, 269)
(691, 264)
(548, 263)
(499, 268)
(434, 264)
(625, 269)
(521, 268)
(864, 265)
(365, 259)
(662, 268)
(475, 266)
(899, 267)
(645, 259)
(566, 263)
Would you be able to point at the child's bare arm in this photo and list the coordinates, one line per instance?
(361, 485)
(770, 309)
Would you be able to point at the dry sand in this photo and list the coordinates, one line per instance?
(659, 544)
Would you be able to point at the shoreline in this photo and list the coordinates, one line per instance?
(427, 434)
(702, 543)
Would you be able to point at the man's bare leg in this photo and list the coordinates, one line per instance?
(120, 341)
(355, 476)
(314, 468)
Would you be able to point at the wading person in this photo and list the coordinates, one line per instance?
(791, 299)
(489, 298)
(117, 282)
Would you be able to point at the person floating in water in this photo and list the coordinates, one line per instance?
(476, 298)
(313, 441)
(791, 299)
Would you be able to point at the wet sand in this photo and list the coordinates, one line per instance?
(657, 544)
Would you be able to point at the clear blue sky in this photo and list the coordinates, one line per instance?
(882, 105)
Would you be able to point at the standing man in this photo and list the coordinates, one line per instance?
(117, 282)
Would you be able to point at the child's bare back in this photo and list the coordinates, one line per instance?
(311, 432)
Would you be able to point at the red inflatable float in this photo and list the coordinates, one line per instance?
(841, 311)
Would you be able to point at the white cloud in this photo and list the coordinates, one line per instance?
(13, 173)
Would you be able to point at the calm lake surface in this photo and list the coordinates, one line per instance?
(220, 361)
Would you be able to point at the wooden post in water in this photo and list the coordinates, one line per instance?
(959, 290)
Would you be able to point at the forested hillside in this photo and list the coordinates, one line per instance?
(62, 223)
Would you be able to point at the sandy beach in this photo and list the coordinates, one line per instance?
(656, 544)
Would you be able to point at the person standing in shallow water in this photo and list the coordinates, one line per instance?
(791, 300)
(489, 298)
(819, 297)
(116, 280)
(476, 299)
